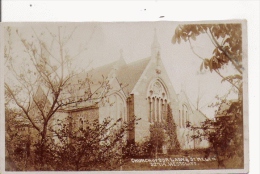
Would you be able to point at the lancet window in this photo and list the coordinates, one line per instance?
(157, 100)
(116, 107)
(81, 122)
(183, 116)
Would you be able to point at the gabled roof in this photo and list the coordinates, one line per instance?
(42, 91)
(200, 113)
(200, 116)
(126, 74)
(129, 74)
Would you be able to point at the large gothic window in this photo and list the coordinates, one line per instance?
(157, 100)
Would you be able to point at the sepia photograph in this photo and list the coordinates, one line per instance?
(126, 96)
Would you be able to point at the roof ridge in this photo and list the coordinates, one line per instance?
(139, 60)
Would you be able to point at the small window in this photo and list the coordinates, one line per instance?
(81, 123)
(180, 118)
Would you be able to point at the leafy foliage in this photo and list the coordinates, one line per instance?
(227, 40)
(97, 146)
(174, 145)
(16, 141)
(164, 134)
(230, 48)
(138, 149)
(94, 147)
(225, 134)
(157, 137)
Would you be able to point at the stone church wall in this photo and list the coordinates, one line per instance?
(142, 102)
(89, 115)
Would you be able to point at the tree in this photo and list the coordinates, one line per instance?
(227, 40)
(16, 141)
(157, 137)
(164, 134)
(170, 127)
(96, 146)
(226, 134)
(39, 78)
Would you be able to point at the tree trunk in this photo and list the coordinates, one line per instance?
(42, 145)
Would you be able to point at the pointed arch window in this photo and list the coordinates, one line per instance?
(184, 116)
(116, 107)
(180, 118)
(81, 122)
(157, 102)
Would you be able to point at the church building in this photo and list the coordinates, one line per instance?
(140, 89)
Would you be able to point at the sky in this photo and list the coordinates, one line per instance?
(105, 42)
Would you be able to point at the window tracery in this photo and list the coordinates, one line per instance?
(157, 98)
